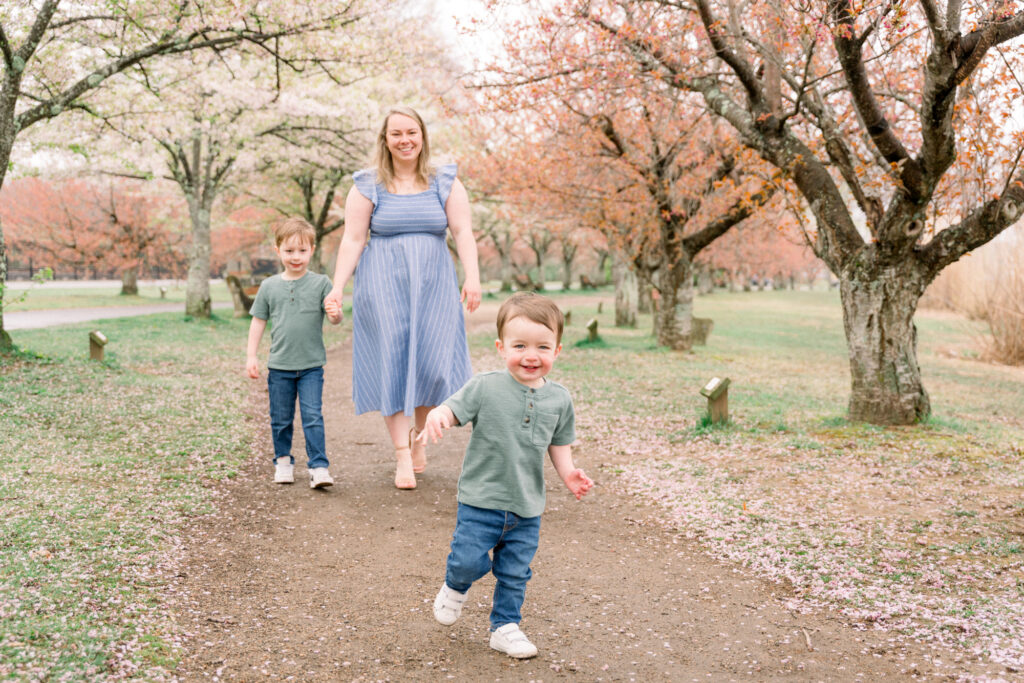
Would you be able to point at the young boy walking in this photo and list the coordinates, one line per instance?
(516, 415)
(293, 303)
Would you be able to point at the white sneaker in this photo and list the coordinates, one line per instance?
(319, 477)
(448, 605)
(284, 471)
(513, 642)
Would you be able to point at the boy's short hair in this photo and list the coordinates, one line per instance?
(535, 307)
(290, 227)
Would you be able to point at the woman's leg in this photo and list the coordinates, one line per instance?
(419, 450)
(398, 429)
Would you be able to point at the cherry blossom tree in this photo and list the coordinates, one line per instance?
(877, 114)
(627, 154)
(55, 56)
(102, 225)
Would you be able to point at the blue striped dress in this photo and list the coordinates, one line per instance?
(409, 338)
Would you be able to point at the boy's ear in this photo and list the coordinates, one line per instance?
(558, 350)
(498, 345)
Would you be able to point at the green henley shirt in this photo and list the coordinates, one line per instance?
(295, 309)
(513, 425)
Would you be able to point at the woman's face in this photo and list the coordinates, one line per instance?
(404, 138)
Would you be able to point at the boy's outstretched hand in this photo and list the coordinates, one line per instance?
(438, 419)
(252, 368)
(578, 483)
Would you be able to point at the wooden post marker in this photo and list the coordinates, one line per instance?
(97, 340)
(592, 330)
(568, 318)
(717, 393)
(163, 292)
(600, 305)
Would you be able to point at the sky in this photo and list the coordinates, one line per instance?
(487, 39)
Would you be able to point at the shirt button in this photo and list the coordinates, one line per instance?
(531, 405)
(527, 420)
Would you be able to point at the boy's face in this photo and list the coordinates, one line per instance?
(295, 253)
(529, 350)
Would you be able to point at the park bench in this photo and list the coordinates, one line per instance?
(241, 296)
(524, 282)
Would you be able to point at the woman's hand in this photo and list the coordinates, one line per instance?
(471, 295)
(337, 296)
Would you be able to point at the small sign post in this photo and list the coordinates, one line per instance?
(717, 393)
(592, 330)
(97, 340)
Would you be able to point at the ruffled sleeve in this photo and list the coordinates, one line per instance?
(445, 180)
(366, 183)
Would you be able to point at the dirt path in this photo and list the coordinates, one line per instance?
(287, 583)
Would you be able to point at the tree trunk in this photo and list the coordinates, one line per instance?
(5, 339)
(878, 316)
(625, 292)
(675, 307)
(8, 98)
(316, 261)
(602, 268)
(507, 270)
(705, 285)
(197, 288)
(130, 281)
(643, 293)
(566, 274)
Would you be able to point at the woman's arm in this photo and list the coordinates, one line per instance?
(460, 222)
(357, 225)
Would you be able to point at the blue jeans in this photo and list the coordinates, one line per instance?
(308, 385)
(513, 540)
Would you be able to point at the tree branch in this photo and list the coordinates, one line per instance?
(167, 44)
(976, 229)
(848, 48)
(5, 49)
(936, 22)
(747, 76)
(35, 34)
(739, 211)
(972, 48)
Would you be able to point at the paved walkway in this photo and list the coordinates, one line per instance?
(25, 320)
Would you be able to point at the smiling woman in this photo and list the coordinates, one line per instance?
(409, 339)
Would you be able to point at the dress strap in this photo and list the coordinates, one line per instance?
(366, 183)
(444, 179)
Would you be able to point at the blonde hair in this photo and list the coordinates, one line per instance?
(290, 227)
(532, 306)
(382, 160)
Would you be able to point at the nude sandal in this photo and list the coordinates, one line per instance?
(419, 452)
(404, 477)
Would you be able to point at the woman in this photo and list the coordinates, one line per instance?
(409, 338)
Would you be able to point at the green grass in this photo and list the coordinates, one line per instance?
(785, 355)
(105, 464)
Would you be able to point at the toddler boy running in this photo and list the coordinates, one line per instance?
(517, 415)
